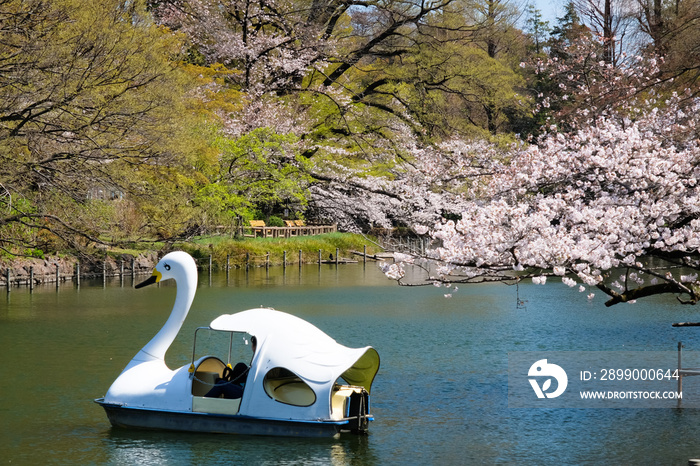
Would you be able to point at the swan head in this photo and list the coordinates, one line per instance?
(177, 265)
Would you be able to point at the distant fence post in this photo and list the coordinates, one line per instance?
(31, 278)
(319, 257)
(284, 260)
(58, 274)
(77, 274)
(7, 278)
(299, 257)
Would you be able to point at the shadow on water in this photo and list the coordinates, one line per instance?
(155, 448)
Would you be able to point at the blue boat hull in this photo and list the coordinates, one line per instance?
(121, 416)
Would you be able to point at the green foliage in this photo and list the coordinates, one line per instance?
(89, 103)
(275, 221)
(113, 129)
(537, 28)
(33, 252)
(262, 169)
(433, 82)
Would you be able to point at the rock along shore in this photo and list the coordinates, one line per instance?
(22, 271)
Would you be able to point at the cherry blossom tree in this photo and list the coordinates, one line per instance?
(614, 206)
(268, 45)
(575, 84)
(420, 189)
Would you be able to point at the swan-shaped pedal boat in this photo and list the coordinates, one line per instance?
(296, 381)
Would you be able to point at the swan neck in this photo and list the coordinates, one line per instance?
(159, 344)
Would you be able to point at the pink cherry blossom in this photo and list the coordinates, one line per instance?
(620, 194)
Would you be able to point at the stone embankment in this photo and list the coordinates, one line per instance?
(22, 271)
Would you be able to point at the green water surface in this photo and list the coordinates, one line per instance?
(441, 395)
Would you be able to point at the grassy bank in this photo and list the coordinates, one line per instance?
(143, 257)
(257, 249)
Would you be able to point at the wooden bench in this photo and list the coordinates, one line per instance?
(291, 228)
(258, 226)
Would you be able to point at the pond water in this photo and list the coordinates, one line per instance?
(441, 395)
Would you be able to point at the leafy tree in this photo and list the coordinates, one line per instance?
(353, 58)
(537, 28)
(568, 30)
(495, 20)
(89, 105)
(260, 170)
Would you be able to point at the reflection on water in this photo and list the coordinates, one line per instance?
(441, 395)
(156, 448)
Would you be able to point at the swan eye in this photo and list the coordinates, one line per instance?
(167, 267)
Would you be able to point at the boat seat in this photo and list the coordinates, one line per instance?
(205, 375)
(340, 399)
(290, 390)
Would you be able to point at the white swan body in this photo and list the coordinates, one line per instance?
(147, 381)
(299, 381)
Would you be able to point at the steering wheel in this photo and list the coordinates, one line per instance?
(227, 375)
